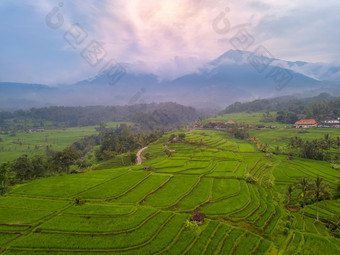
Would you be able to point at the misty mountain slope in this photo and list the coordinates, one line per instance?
(223, 81)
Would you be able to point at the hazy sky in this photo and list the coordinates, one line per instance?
(167, 37)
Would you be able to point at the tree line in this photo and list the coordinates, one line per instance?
(321, 107)
(308, 191)
(317, 149)
(148, 116)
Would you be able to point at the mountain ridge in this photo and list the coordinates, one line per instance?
(229, 78)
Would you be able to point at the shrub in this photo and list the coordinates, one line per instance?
(269, 183)
(192, 225)
(285, 231)
(250, 178)
(335, 166)
(79, 201)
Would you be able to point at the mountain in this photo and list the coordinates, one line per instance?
(234, 76)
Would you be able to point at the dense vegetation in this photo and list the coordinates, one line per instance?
(321, 107)
(318, 149)
(149, 116)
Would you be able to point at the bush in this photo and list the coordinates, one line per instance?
(192, 226)
(335, 166)
(269, 183)
(79, 201)
(286, 231)
(250, 179)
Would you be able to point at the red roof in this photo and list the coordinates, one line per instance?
(230, 122)
(306, 122)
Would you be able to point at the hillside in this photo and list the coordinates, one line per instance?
(288, 103)
(129, 210)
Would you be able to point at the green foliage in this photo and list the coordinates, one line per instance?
(322, 106)
(250, 178)
(317, 149)
(192, 226)
(6, 177)
(267, 117)
(286, 117)
(167, 116)
(239, 131)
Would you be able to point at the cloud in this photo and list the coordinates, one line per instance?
(174, 37)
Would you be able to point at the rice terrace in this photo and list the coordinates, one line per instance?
(129, 210)
(180, 127)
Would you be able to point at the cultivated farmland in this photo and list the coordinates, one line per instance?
(131, 211)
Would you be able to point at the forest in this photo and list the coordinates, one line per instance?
(149, 116)
(321, 107)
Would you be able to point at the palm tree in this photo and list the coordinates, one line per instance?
(304, 185)
(337, 143)
(289, 193)
(328, 141)
(320, 191)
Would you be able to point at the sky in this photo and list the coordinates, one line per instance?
(48, 42)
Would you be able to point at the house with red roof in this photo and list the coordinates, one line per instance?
(306, 123)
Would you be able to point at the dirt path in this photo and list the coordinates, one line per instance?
(139, 155)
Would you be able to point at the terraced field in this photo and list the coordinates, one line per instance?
(132, 211)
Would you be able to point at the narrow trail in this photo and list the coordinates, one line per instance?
(139, 155)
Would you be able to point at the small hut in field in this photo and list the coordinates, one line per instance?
(198, 217)
(147, 168)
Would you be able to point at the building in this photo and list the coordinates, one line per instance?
(329, 124)
(306, 123)
(230, 122)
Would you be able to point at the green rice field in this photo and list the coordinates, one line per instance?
(128, 210)
(36, 143)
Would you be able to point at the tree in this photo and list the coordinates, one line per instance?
(39, 166)
(23, 167)
(142, 140)
(133, 157)
(171, 138)
(286, 117)
(181, 136)
(304, 185)
(62, 160)
(337, 192)
(5, 170)
(289, 193)
(319, 191)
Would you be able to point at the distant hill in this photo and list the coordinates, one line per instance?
(221, 82)
(323, 104)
